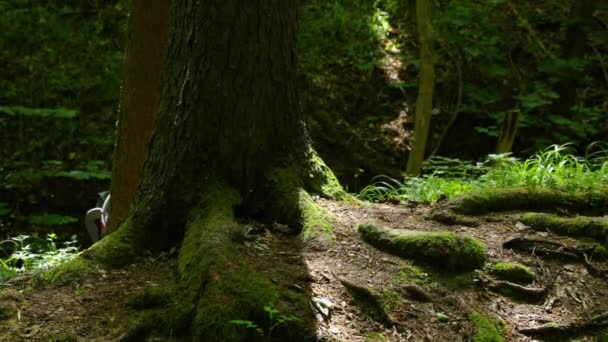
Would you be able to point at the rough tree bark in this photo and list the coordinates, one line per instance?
(424, 103)
(229, 141)
(139, 99)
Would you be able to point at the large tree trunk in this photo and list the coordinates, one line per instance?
(229, 141)
(139, 99)
(424, 103)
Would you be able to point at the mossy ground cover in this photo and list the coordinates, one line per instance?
(487, 329)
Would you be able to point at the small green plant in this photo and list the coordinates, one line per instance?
(275, 317)
(26, 253)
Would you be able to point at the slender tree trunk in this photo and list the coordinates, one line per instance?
(229, 141)
(139, 99)
(424, 103)
(508, 132)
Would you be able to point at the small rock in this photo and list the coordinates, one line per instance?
(520, 226)
(334, 331)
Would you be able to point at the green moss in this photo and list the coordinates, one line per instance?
(596, 228)
(443, 318)
(455, 282)
(376, 337)
(220, 281)
(116, 249)
(514, 272)
(443, 250)
(172, 320)
(289, 202)
(390, 299)
(414, 274)
(153, 297)
(316, 223)
(7, 310)
(322, 179)
(487, 329)
(600, 252)
(451, 218)
(485, 201)
(68, 272)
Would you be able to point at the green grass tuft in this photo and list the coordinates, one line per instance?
(556, 167)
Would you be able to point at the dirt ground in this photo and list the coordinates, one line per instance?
(90, 310)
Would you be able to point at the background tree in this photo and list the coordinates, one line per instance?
(424, 103)
(508, 131)
(139, 99)
(229, 142)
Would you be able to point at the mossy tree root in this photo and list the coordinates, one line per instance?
(373, 302)
(582, 226)
(512, 271)
(223, 285)
(289, 201)
(517, 291)
(493, 200)
(220, 283)
(556, 249)
(443, 250)
(557, 332)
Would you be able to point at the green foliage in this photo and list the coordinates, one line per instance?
(275, 318)
(50, 220)
(523, 61)
(60, 113)
(25, 253)
(557, 167)
(58, 86)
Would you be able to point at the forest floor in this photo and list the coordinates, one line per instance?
(439, 308)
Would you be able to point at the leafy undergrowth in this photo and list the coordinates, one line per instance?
(404, 299)
(26, 255)
(557, 167)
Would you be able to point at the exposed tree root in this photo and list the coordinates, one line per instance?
(443, 250)
(510, 289)
(555, 249)
(596, 228)
(486, 201)
(223, 285)
(451, 218)
(374, 300)
(513, 272)
(289, 201)
(417, 293)
(556, 332)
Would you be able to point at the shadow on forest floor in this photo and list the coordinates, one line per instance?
(357, 292)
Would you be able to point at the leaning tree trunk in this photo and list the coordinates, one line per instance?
(424, 103)
(139, 99)
(229, 141)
